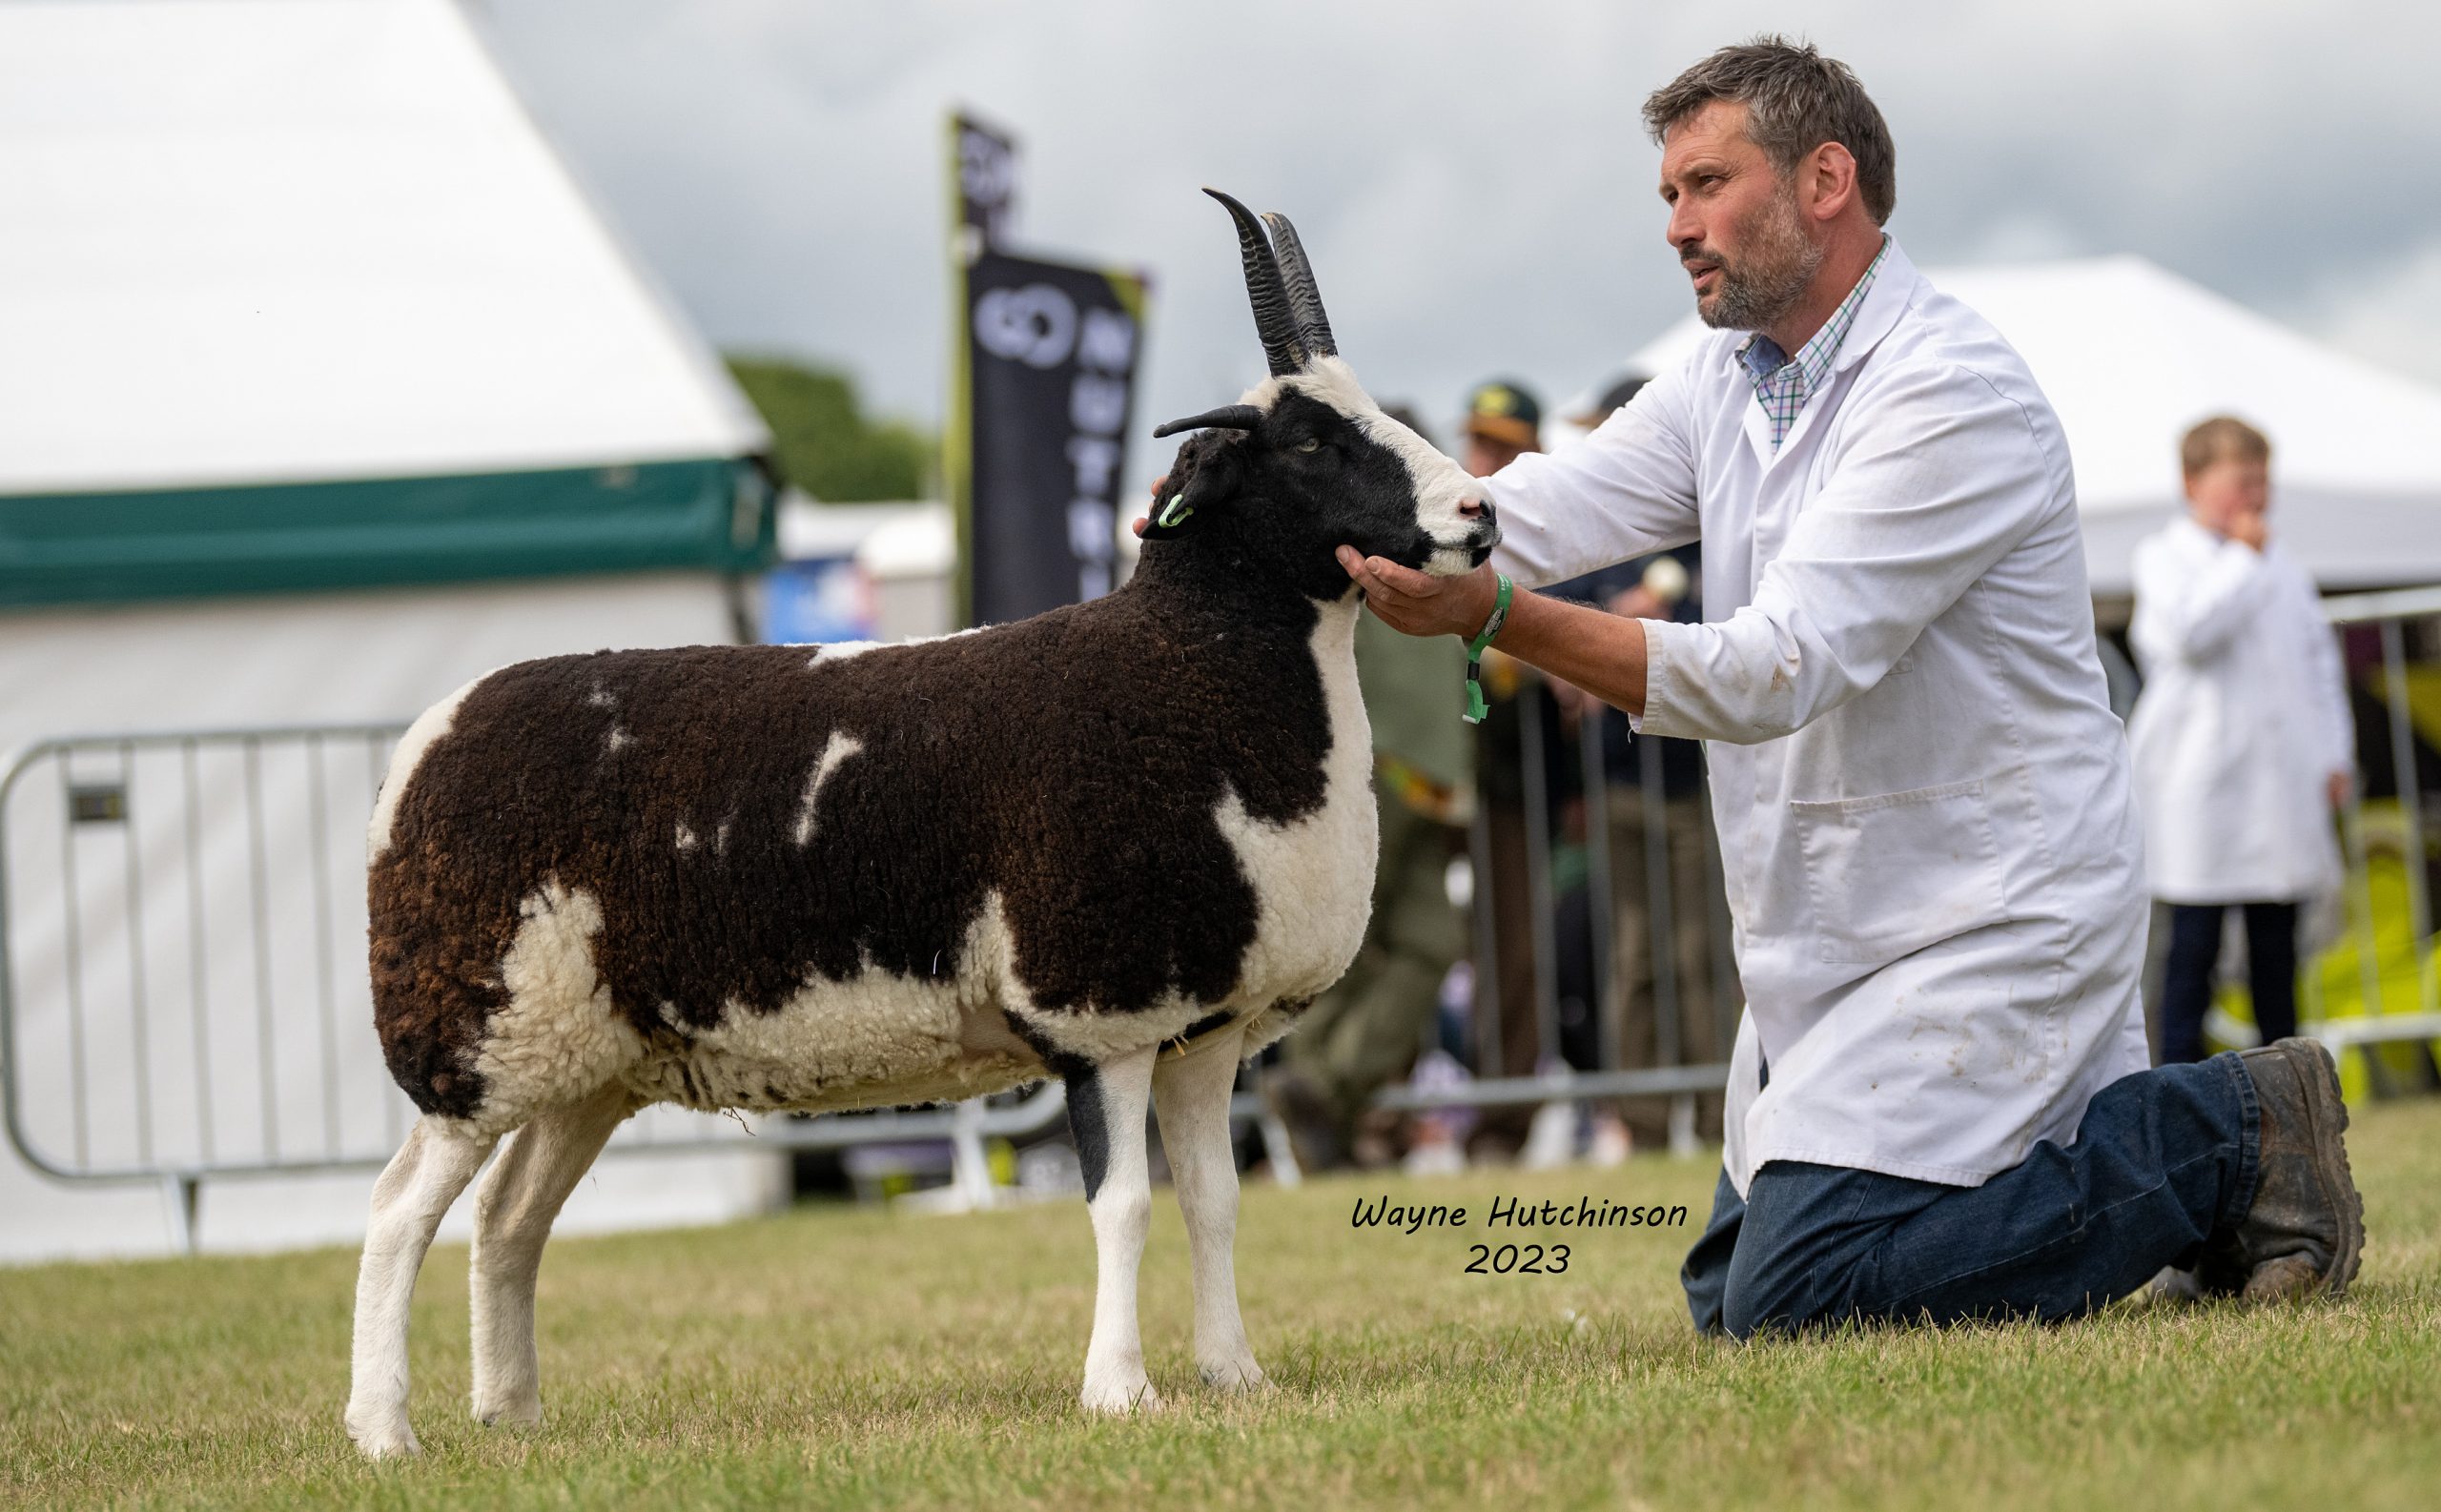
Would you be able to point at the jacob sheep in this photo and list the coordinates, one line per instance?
(1121, 843)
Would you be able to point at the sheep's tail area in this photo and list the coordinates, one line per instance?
(437, 940)
(437, 944)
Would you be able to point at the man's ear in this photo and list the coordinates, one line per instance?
(1205, 478)
(1834, 179)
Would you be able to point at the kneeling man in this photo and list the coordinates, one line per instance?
(1939, 1106)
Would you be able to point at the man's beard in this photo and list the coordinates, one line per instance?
(1767, 281)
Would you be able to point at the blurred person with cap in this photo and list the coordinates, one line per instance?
(2242, 738)
(1586, 418)
(1939, 1103)
(1650, 831)
(1368, 1028)
(1503, 422)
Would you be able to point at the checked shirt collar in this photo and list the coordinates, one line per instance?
(1782, 383)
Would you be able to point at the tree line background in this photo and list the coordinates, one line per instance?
(823, 442)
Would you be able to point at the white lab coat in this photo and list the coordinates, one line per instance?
(1930, 852)
(2243, 720)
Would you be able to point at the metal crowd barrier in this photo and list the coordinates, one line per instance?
(173, 992)
(183, 991)
(1669, 1076)
(2391, 614)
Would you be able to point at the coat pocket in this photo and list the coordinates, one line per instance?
(1898, 871)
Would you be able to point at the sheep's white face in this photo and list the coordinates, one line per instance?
(1450, 508)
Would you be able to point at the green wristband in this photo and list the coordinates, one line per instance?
(1483, 640)
(1476, 707)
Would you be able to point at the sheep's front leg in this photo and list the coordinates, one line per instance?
(1191, 1092)
(1106, 1111)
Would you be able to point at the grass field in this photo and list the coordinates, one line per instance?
(854, 1358)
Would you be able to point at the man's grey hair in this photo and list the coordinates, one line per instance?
(1796, 100)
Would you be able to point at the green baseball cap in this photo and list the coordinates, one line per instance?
(1502, 411)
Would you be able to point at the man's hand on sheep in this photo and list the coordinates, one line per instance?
(1417, 603)
(1141, 521)
(1601, 653)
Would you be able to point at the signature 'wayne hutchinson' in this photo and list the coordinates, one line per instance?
(1381, 1213)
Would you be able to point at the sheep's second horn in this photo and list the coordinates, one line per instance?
(1304, 300)
(1229, 417)
(1274, 319)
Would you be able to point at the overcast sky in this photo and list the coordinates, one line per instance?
(1471, 180)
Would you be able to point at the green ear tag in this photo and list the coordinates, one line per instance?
(1476, 708)
(1171, 514)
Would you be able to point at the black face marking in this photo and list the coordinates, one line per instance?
(1286, 495)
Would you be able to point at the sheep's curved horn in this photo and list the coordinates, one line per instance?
(1228, 417)
(1274, 321)
(1304, 300)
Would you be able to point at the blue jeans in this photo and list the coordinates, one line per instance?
(2163, 1159)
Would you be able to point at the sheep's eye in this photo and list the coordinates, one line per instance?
(1309, 446)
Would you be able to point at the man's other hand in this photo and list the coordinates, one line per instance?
(1415, 603)
(1638, 602)
(1143, 521)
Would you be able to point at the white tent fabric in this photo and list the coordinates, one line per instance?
(255, 241)
(2131, 355)
(262, 242)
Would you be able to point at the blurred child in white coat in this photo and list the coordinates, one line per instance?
(2242, 739)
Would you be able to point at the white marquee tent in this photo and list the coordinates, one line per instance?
(322, 390)
(295, 295)
(2131, 355)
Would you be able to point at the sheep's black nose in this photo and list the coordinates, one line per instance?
(1474, 509)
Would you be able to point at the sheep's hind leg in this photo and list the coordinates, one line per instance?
(520, 1197)
(1191, 1092)
(413, 1191)
(1106, 1111)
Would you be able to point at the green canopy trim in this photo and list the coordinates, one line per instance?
(716, 514)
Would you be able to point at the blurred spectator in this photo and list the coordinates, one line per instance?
(2242, 739)
(1669, 817)
(1589, 419)
(1368, 1028)
(1504, 421)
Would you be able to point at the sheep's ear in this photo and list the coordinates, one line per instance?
(1205, 478)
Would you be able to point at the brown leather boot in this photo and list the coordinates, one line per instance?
(2305, 1231)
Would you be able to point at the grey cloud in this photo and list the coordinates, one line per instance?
(1473, 180)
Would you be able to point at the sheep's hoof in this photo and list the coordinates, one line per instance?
(526, 1414)
(1241, 1376)
(384, 1435)
(1120, 1396)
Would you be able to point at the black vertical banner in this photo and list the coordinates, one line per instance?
(1049, 352)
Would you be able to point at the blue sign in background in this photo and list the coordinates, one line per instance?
(818, 600)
